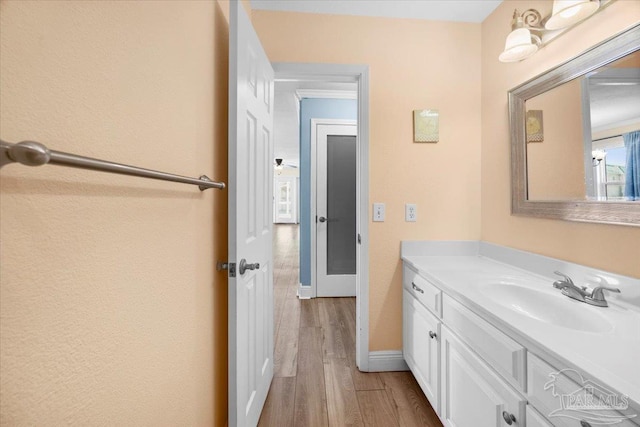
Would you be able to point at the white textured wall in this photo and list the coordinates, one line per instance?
(111, 311)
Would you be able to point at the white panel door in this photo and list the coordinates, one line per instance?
(250, 221)
(336, 235)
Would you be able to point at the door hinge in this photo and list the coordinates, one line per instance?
(359, 239)
(231, 266)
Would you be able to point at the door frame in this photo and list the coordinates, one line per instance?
(358, 74)
(313, 211)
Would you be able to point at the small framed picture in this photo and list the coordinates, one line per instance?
(535, 131)
(425, 126)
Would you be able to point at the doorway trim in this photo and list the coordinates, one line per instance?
(360, 75)
(314, 184)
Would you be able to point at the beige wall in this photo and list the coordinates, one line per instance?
(555, 166)
(414, 64)
(614, 248)
(111, 309)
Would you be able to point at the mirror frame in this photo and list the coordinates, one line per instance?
(622, 213)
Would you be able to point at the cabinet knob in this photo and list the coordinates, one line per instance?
(583, 423)
(432, 334)
(508, 418)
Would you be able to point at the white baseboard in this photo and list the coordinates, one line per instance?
(304, 292)
(387, 361)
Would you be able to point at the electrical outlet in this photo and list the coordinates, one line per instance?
(410, 212)
(378, 212)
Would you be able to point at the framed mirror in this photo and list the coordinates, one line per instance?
(575, 137)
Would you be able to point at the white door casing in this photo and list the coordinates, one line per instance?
(250, 221)
(329, 284)
(360, 75)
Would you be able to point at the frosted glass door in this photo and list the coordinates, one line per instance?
(341, 204)
(336, 210)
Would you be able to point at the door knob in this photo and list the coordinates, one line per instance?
(322, 219)
(244, 266)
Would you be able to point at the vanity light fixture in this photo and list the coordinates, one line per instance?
(521, 43)
(568, 12)
(529, 34)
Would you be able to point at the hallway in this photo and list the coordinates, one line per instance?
(316, 382)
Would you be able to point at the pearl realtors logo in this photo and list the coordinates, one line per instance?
(586, 401)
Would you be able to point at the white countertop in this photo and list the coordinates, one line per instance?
(611, 357)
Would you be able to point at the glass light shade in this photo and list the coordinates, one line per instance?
(568, 12)
(518, 46)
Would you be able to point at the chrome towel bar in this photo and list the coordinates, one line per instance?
(33, 153)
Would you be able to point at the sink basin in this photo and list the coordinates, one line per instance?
(548, 307)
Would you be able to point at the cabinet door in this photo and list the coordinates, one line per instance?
(472, 393)
(534, 419)
(420, 336)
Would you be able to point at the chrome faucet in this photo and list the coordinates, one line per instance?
(568, 288)
(595, 297)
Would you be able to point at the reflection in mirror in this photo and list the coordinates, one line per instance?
(575, 144)
(583, 137)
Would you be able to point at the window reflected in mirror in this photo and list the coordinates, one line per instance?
(583, 137)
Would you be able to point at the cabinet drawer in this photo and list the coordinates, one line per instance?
(534, 419)
(558, 397)
(501, 352)
(425, 292)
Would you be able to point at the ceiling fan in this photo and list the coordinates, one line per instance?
(279, 164)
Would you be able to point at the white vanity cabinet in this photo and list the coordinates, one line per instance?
(461, 387)
(472, 394)
(546, 383)
(420, 331)
(420, 345)
(507, 349)
(534, 419)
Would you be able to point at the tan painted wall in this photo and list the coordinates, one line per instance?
(555, 166)
(414, 64)
(614, 248)
(111, 309)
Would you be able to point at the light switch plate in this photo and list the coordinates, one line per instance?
(378, 212)
(410, 212)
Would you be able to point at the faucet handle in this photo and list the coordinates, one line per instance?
(564, 276)
(597, 295)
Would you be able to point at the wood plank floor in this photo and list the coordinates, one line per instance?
(316, 382)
